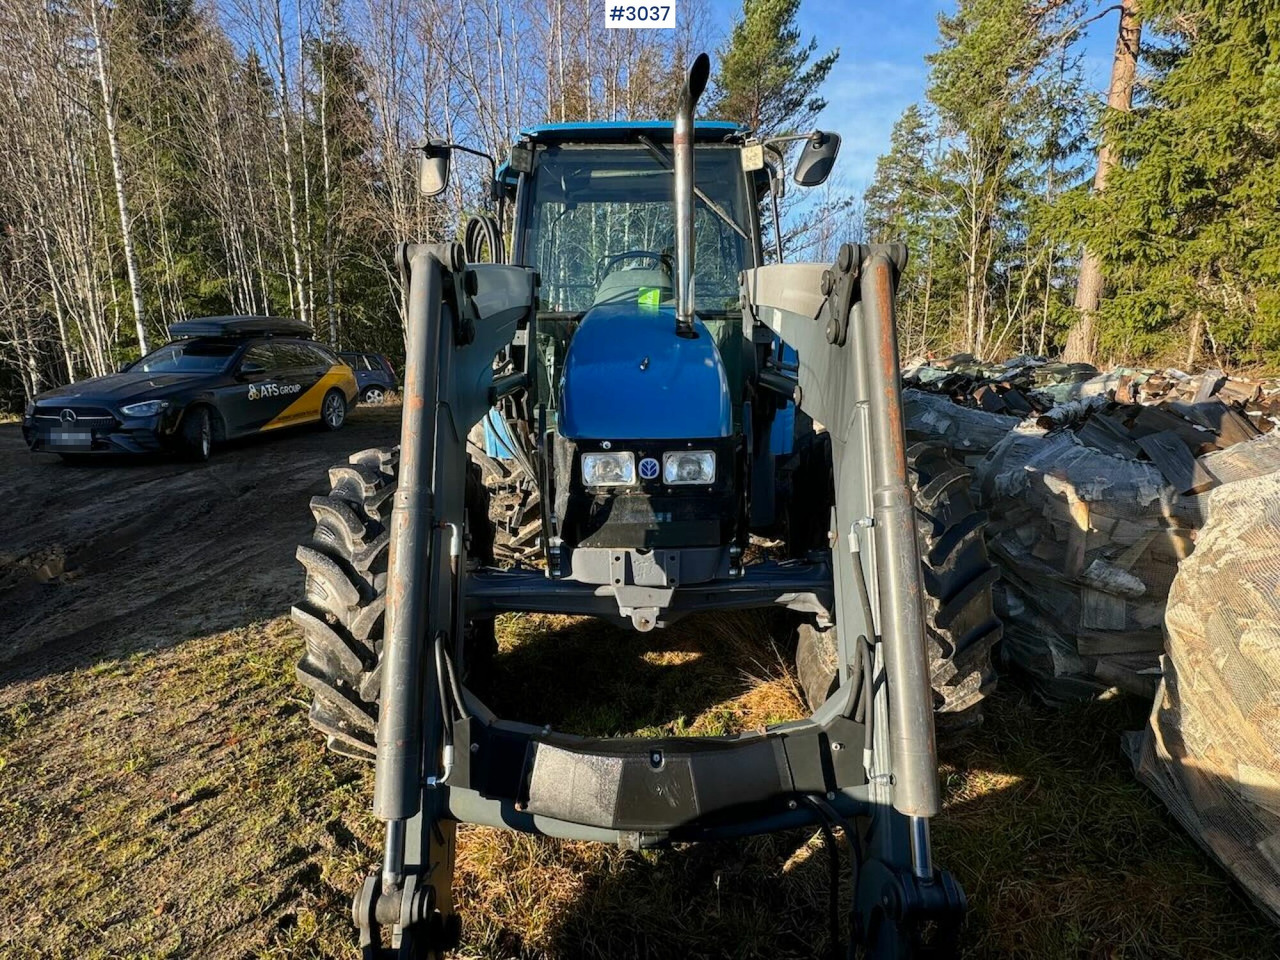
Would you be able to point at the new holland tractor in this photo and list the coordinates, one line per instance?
(662, 432)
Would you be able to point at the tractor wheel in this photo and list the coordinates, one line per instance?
(960, 624)
(960, 620)
(341, 613)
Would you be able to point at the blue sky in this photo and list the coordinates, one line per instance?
(881, 68)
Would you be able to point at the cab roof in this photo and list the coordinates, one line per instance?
(240, 326)
(626, 131)
(621, 131)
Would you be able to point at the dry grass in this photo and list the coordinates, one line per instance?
(175, 804)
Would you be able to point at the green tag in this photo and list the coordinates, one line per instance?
(650, 296)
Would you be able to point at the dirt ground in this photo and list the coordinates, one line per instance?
(104, 559)
(161, 794)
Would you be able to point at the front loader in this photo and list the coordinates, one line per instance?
(662, 432)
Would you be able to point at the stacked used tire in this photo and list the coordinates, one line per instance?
(1089, 544)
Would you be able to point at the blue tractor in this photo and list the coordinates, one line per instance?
(668, 396)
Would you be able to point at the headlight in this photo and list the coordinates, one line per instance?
(608, 469)
(689, 466)
(147, 408)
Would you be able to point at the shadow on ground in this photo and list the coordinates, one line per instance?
(1062, 853)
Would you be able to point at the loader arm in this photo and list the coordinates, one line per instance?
(840, 320)
(443, 757)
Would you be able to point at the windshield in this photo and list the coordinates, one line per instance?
(602, 227)
(187, 357)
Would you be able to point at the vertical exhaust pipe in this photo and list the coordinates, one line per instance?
(682, 141)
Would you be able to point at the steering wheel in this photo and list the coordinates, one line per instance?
(607, 264)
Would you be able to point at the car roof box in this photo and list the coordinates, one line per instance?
(240, 327)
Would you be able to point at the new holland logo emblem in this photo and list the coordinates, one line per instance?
(648, 469)
(253, 392)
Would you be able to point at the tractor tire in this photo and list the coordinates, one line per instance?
(341, 613)
(960, 623)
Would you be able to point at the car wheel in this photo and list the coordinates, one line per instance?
(333, 411)
(197, 434)
(373, 395)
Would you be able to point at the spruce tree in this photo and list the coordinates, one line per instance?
(1188, 230)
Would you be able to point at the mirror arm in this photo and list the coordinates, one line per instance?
(493, 174)
(493, 164)
(792, 138)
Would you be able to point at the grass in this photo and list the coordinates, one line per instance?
(175, 804)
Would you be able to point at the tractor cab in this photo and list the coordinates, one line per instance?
(644, 425)
(595, 219)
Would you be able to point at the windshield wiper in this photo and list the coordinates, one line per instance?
(661, 156)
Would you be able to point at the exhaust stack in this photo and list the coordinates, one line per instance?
(682, 141)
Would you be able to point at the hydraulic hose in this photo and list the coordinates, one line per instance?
(482, 230)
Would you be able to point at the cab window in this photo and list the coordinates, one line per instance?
(602, 227)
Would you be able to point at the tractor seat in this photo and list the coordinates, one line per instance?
(626, 284)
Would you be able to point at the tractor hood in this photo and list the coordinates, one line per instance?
(629, 376)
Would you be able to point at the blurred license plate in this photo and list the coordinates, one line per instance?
(71, 438)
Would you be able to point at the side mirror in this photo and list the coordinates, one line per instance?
(817, 158)
(249, 368)
(433, 169)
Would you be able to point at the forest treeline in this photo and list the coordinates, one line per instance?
(1143, 229)
(168, 158)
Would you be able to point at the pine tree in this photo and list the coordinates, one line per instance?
(897, 199)
(901, 207)
(767, 80)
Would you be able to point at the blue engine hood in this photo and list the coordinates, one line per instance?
(629, 377)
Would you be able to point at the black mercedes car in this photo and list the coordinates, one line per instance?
(221, 377)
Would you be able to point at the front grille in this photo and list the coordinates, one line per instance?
(88, 417)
